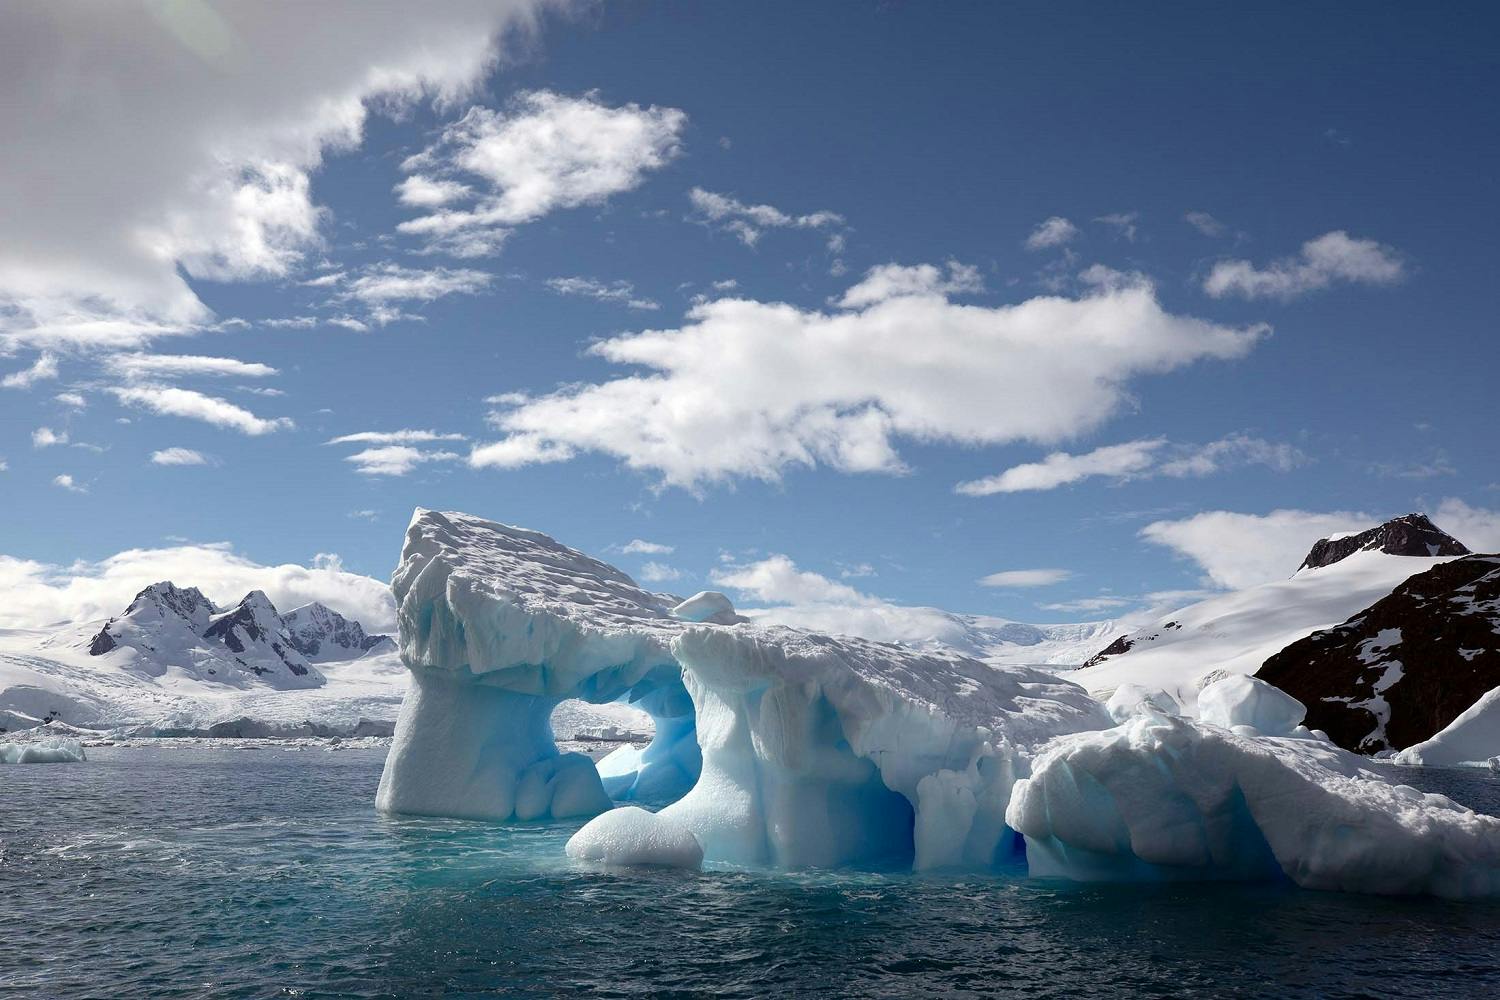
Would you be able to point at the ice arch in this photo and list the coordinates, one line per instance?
(815, 750)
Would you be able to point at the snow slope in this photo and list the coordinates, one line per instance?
(1235, 633)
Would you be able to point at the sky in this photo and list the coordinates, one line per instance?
(1053, 312)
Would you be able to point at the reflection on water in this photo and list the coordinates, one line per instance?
(176, 872)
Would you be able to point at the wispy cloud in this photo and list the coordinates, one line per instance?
(46, 437)
(179, 456)
(1140, 459)
(396, 459)
(639, 546)
(403, 436)
(148, 366)
(44, 368)
(1123, 223)
(67, 482)
(748, 221)
(1205, 224)
(622, 292)
(192, 405)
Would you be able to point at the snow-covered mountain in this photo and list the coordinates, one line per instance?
(1235, 633)
(321, 634)
(173, 661)
(1405, 667)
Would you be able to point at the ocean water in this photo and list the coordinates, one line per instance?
(267, 873)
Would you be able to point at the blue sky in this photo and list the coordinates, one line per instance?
(1265, 286)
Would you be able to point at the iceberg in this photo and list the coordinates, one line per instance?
(48, 750)
(793, 748)
(780, 747)
(1169, 798)
(1471, 740)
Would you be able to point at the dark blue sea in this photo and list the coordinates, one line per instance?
(266, 873)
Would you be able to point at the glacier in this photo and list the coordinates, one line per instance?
(786, 748)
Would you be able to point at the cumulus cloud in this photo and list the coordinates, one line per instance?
(1241, 550)
(192, 405)
(208, 175)
(889, 281)
(1140, 459)
(46, 437)
(639, 546)
(44, 368)
(747, 221)
(148, 366)
(43, 594)
(1053, 232)
(1016, 578)
(622, 292)
(748, 388)
(1330, 258)
(543, 153)
(67, 482)
(179, 456)
(396, 459)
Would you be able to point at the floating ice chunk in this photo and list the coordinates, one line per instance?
(1471, 739)
(1169, 798)
(1239, 701)
(708, 606)
(1132, 699)
(631, 835)
(48, 750)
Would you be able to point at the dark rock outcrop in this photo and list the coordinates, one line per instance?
(1408, 535)
(1121, 644)
(1402, 669)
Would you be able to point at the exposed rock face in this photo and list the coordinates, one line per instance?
(1402, 669)
(1121, 644)
(1409, 535)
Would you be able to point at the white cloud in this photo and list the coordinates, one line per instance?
(146, 366)
(1330, 258)
(3, 465)
(1013, 578)
(404, 436)
(387, 283)
(747, 221)
(622, 292)
(420, 191)
(396, 459)
(43, 594)
(67, 482)
(233, 107)
(46, 437)
(639, 546)
(1205, 223)
(1140, 459)
(72, 399)
(349, 323)
(749, 388)
(1241, 550)
(179, 456)
(1123, 223)
(1088, 605)
(655, 572)
(805, 599)
(192, 405)
(1476, 527)
(1053, 232)
(889, 281)
(545, 152)
(44, 368)
(1061, 468)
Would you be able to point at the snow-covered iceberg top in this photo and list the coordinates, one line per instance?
(46, 750)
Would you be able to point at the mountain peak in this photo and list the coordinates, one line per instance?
(1407, 535)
